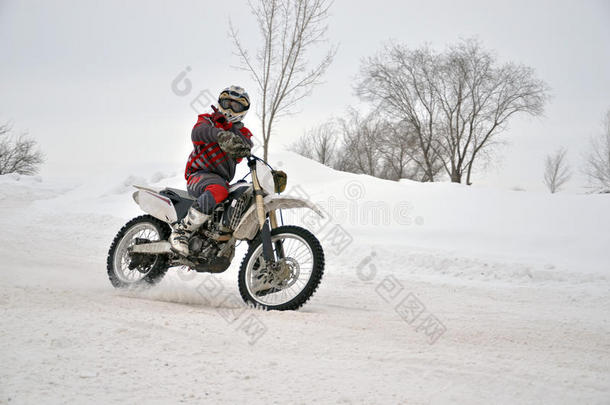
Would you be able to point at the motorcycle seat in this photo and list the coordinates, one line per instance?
(182, 194)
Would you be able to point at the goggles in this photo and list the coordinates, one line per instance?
(239, 105)
(229, 104)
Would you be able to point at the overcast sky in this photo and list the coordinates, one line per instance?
(92, 80)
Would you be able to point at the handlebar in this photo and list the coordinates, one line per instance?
(253, 158)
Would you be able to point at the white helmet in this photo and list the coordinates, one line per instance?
(233, 103)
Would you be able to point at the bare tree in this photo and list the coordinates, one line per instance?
(456, 102)
(399, 81)
(18, 154)
(303, 147)
(318, 143)
(401, 155)
(361, 137)
(290, 29)
(597, 166)
(556, 170)
(364, 144)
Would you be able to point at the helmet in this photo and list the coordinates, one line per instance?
(233, 103)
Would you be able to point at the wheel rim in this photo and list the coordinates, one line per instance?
(294, 275)
(122, 258)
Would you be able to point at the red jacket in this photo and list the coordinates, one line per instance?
(207, 155)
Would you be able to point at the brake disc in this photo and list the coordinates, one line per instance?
(288, 272)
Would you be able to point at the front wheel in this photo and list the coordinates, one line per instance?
(126, 269)
(289, 282)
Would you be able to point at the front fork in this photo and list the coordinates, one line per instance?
(264, 228)
(279, 248)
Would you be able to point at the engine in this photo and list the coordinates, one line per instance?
(212, 247)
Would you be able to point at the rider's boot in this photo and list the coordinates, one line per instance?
(179, 239)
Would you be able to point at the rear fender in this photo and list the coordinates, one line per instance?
(155, 204)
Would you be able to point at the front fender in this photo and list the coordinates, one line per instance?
(248, 225)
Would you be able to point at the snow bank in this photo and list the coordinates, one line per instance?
(554, 230)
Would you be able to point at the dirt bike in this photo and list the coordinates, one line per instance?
(281, 269)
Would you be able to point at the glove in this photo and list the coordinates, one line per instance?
(233, 145)
(217, 116)
(280, 179)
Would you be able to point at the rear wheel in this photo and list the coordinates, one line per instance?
(292, 280)
(126, 269)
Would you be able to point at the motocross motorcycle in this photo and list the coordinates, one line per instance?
(281, 269)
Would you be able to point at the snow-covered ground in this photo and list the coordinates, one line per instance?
(433, 293)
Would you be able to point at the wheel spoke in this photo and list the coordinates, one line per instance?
(123, 259)
(298, 255)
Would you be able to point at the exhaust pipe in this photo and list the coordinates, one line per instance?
(154, 248)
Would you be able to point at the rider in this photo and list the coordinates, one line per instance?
(220, 141)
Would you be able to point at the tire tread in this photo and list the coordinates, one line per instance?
(157, 272)
(313, 283)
